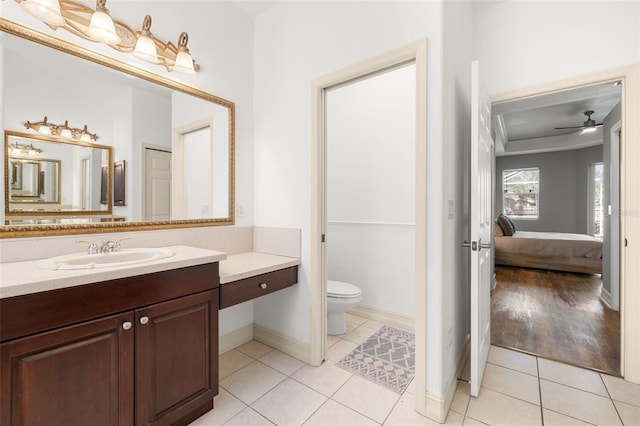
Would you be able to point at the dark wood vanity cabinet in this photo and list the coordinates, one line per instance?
(250, 288)
(150, 358)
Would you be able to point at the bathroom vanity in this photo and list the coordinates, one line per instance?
(124, 345)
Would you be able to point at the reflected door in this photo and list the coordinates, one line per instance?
(157, 184)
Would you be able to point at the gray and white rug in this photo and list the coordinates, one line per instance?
(386, 358)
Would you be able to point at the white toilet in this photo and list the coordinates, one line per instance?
(341, 297)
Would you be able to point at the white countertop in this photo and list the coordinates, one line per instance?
(18, 278)
(244, 265)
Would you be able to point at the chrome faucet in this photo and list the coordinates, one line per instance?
(106, 246)
(92, 249)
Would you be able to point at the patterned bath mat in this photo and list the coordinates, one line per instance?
(386, 358)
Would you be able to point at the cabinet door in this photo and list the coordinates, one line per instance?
(77, 375)
(176, 359)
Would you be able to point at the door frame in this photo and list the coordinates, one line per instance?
(415, 52)
(629, 198)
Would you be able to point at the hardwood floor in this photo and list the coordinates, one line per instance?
(556, 315)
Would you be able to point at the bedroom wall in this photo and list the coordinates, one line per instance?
(563, 188)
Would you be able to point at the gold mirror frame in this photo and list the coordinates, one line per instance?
(19, 231)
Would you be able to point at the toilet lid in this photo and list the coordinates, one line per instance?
(341, 289)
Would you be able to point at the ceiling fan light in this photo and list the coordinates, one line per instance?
(48, 11)
(102, 27)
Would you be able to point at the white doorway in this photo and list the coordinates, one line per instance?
(157, 181)
(629, 225)
(415, 53)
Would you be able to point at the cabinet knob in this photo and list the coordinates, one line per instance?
(263, 285)
(144, 320)
(126, 325)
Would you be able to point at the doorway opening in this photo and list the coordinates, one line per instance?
(556, 274)
(414, 53)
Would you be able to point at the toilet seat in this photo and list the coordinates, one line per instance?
(342, 290)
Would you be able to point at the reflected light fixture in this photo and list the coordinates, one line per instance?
(99, 26)
(23, 149)
(64, 131)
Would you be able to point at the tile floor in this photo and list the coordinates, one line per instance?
(262, 386)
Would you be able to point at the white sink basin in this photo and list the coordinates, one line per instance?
(123, 257)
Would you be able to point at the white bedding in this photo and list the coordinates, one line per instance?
(551, 244)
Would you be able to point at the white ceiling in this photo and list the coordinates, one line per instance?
(529, 125)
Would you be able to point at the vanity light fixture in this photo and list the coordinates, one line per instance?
(23, 149)
(99, 26)
(63, 131)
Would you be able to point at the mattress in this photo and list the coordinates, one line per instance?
(551, 244)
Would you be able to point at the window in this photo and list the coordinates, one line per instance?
(521, 193)
(596, 196)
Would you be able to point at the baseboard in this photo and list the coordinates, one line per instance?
(235, 338)
(395, 319)
(606, 298)
(438, 406)
(286, 344)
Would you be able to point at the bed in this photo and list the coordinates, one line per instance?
(549, 250)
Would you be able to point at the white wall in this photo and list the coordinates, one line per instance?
(370, 138)
(297, 42)
(523, 43)
(448, 303)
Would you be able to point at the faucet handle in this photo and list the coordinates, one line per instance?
(116, 243)
(92, 249)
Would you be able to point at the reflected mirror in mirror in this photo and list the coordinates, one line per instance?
(55, 176)
(148, 121)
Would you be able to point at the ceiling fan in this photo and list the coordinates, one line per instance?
(588, 125)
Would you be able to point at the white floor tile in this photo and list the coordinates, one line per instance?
(357, 320)
(511, 382)
(630, 414)
(289, 403)
(575, 377)
(360, 334)
(282, 362)
(248, 417)
(225, 406)
(232, 361)
(367, 398)
(579, 404)
(325, 379)
(332, 340)
(495, 409)
(411, 388)
(404, 414)
(254, 349)
(551, 418)
(338, 351)
(514, 360)
(376, 325)
(621, 390)
(252, 381)
(461, 398)
(332, 413)
(468, 421)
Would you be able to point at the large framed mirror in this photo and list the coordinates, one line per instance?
(154, 125)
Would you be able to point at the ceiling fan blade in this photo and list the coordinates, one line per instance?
(574, 127)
